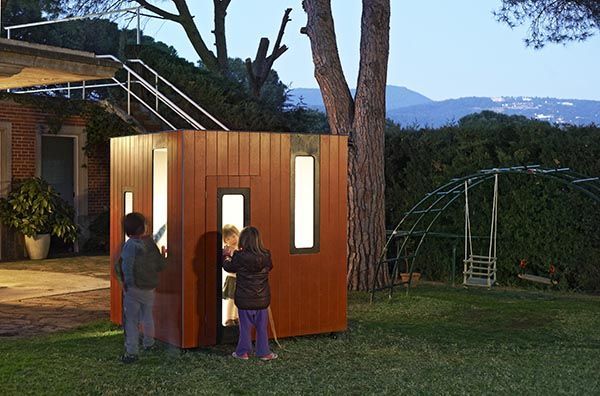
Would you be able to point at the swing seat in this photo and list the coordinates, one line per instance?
(538, 279)
(480, 271)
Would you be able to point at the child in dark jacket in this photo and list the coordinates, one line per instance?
(137, 270)
(252, 263)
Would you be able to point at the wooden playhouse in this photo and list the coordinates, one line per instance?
(189, 183)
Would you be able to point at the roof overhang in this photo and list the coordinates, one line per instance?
(25, 64)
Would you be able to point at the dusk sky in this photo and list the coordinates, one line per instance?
(442, 49)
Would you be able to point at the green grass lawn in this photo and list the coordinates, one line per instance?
(436, 341)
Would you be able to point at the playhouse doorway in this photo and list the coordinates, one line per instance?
(233, 209)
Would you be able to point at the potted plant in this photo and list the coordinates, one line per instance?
(406, 277)
(36, 210)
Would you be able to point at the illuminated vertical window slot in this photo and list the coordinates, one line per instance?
(304, 202)
(232, 212)
(159, 196)
(128, 206)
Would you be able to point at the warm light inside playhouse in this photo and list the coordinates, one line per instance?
(128, 206)
(304, 202)
(232, 212)
(159, 196)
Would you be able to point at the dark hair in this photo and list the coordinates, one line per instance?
(250, 241)
(134, 224)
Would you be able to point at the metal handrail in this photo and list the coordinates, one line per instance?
(156, 92)
(184, 96)
(129, 92)
(68, 88)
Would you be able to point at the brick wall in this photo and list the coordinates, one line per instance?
(26, 121)
(98, 181)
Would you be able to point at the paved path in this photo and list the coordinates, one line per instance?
(50, 312)
(24, 284)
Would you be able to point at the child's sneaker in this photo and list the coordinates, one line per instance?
(242, 357)
(127, 358)
(270, 356)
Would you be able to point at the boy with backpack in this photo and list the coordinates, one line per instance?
(137, 270)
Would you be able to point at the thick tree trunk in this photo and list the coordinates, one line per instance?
(364, 120)
(366, 226)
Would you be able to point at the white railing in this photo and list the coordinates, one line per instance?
(178, 91)
(9, 29)
(159, 97)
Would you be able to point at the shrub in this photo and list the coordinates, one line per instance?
(34, 207)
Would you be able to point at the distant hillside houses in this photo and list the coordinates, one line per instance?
(407, 107)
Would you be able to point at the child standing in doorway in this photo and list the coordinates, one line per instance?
(137, 270)
(252, 263)
(230, 239)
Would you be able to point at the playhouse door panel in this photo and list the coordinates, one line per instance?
(233, 209)
(226, 203)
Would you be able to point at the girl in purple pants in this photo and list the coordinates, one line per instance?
(252, 263)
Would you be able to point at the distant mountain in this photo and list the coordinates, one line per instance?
(397, 97)
(559, 111)
(408, 107)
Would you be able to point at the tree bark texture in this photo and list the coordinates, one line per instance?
(362, 118)
(259, 69)
(219, 32)
(366, 226)
(191, 30)
(328, 67)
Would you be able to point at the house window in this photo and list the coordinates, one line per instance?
(304, 204)
(127, 206)
(159, 196)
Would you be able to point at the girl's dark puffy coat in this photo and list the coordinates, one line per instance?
(252, 285)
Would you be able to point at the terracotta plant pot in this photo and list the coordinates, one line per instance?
(416, 276)
(37, 246)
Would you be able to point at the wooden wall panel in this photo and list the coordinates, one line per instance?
(274, 230)
(115, 290)
(190, 276)
(233, 153)
(328, 256)
(244, 154)
(211, 153)
(199, 236)
(209, 332)
(255, 153)
(168, 303)
(342, 241)
(131, 170)
(222, 151)
(308, 290)
(281, 311)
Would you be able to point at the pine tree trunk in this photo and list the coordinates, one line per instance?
(366, 222)
(362, 118)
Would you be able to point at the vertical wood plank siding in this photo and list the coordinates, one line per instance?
(308, 290)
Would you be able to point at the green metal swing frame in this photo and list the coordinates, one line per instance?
(417, 223)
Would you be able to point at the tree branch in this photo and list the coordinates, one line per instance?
(286, 18)
(159, 11)
(219, 32)
(262, 65)
(186, 20)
